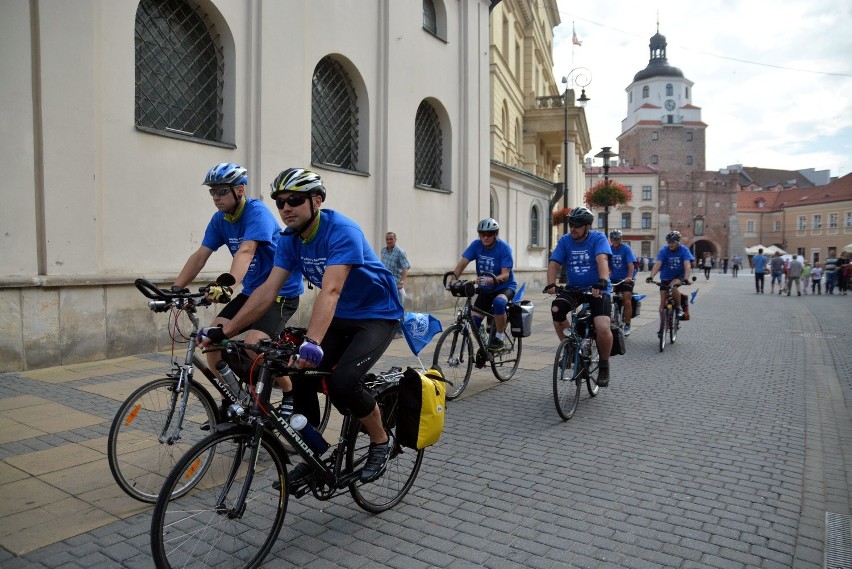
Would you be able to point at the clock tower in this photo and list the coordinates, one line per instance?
(663, 129)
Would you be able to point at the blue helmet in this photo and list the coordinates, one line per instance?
(226, 173)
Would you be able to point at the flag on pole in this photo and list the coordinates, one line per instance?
(419, 329)
(574, 39)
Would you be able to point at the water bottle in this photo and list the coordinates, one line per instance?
(309, 434)
(228, 376)
(483, 333)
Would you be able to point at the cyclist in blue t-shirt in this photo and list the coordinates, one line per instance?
(585, 255)
(492, 255)
(623, 266)
(354, 316)
(250, 232)
(674, 263)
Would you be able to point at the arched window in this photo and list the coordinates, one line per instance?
(334, 117)
(179, 71)
(669, 90)
(534, 226)
(645, 92)
(428, 147)
(430, 20)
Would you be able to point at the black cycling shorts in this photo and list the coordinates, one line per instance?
(624, 287)
(272, 322)
(565, 302)
(485, 300)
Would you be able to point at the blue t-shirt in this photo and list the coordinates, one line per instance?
(255, 223)
(760, 263)
(369, 290)
(492, 260)
(621, 264)
(580, 258)
(672, 261)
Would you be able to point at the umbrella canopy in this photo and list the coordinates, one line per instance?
(848, 248)
(754, 249)
(772, 249)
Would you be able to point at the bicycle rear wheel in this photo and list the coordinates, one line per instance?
(593, 363)
(454, 355)
(139, 454)
(566, 379)
(403, 464)
(201, 529)
(504, 364)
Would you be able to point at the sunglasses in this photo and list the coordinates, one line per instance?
(219, 192)
(293, 201)
(576, 225)
(487, 233)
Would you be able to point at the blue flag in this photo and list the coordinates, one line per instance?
(638, 297)
(519, 296)
(419, 329)
(692, 296)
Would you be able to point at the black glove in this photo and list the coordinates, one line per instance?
(602, 284)
(551, 288)
(214, 333)
(649, 279)
(219, 293)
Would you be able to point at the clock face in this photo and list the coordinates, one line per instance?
(670, 105)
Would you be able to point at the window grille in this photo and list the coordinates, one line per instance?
(179, 70)
(334, 117)
(428, 147)
(430, 20)
(534, 226)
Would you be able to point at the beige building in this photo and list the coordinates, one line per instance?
(118, 110)
(638, 219)
(814, 222)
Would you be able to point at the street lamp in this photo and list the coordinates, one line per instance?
(606, 154)
(581, 77)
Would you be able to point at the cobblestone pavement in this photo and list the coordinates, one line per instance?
(726, 450)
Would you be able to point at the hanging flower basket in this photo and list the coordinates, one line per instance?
(560, 216)
(607, 194)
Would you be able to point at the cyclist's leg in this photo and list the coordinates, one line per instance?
(498, 309)
(228, 311)
(559, 309)
(627, 302)
(600, 308)
(270, 325)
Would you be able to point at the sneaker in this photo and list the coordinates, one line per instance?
(603, 376)
(377, 461)
(496, 345)
(680, 312)
(626, 330)
(285, 409)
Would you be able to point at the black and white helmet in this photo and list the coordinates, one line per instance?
(297, 180)
(673, 236)
(615, 234)
(580, 216)
(488, 224)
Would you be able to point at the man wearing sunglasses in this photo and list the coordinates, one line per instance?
(354, 316)
(585, 255)
(250, 232)
(492, 256)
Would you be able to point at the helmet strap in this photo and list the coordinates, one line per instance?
(315, 214)
(234, 215)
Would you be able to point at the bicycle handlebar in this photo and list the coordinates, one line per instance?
(466, 288)
(682, 283)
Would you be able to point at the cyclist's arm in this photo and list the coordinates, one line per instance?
(463, 262)
(242, 259)
(687, 270)
(602, 261)
(656, 268)
(193, 266)
(258, 303)
(553, 269)
(326, 302)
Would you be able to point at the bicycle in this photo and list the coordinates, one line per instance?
(617, 316)
(669, 324)
(165, 417)
(454, 350)
(236, 511)
(577, 356)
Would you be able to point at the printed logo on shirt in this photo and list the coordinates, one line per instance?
(314, 269)
(486, 264)
(579, 262)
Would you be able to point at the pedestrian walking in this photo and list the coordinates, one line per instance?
(725, 266)
(395, 260)
(844, 270)
(776, 269)
(816, 279)
(707, 265)
(806, 277)
(759, 267)
(794, 274)
(828, 270)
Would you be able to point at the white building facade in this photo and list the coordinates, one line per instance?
(103, 173)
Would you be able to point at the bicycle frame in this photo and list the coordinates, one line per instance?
(580, 346)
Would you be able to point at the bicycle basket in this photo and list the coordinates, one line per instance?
(463, 289)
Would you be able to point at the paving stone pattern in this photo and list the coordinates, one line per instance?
(724, 451)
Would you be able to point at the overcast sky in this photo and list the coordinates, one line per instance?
(773, 77)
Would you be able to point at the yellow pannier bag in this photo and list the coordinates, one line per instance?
(422, 405)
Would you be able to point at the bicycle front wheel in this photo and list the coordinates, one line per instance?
(207, 527)
(145, 441)
(566, 379)
(593, 362)
(504, 364)
(675, 324)
(454, 355)
(664, 318)
(403, 464)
